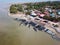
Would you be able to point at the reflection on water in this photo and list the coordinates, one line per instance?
(13, 34)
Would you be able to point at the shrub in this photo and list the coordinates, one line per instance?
(13, 9)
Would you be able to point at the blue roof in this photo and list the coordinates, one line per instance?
(58, 13)
(58, 10)
(53, 15)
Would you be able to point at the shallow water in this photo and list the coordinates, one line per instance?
(13, 34)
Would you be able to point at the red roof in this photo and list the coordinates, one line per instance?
(38, 14)
(46, 12)
(41, 15)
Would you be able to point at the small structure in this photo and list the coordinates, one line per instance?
(48, 9)
(47, 13)
(42, 15)
(58, 12)
(52, 14)
(36, 11)
(33, 13)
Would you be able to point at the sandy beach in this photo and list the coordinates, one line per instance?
(23, 15)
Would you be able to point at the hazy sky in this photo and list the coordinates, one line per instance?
(9, 1)
(5, 3)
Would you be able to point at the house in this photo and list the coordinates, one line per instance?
(58, 12)
(41, 15)
(48, 9)
(33, 13)
(47, 13)
(36, 11)
(52, 14)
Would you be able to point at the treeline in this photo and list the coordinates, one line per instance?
(38, 5)
(15, 8)
(52, 18)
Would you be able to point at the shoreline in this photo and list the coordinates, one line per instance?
(19, 16)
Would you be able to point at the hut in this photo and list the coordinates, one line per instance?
(58, 12)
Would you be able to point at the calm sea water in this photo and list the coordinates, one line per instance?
(13, 34)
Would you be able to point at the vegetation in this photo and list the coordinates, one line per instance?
(41, 5)
(15, 8)
(38, 5)
(56, 26)
(19, 8)
(58, 19)
(28, 13)
(52, 18)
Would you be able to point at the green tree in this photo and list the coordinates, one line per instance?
(20, 7)
(58, 19)
(28, 13)
(13, 9)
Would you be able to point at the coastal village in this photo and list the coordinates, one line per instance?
(43, 18)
